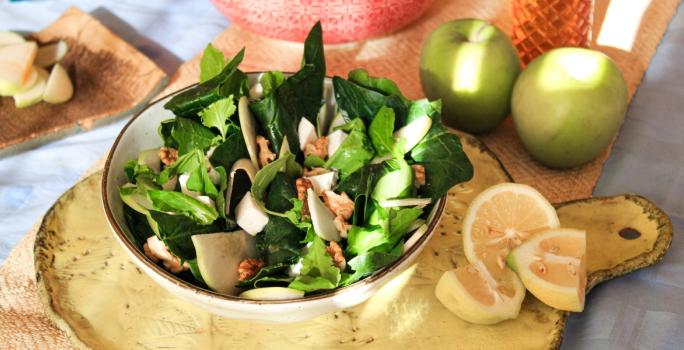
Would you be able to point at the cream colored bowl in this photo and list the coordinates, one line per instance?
(141, 133)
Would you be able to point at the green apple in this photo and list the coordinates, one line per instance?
(471, 65)
(568, 105)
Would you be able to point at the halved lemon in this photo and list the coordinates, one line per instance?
(502, 217)
(552, 266)
(481, 292)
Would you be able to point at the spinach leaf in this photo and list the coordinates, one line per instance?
(264, 177)
(190, 135)
(383, 85)
(355, 151)
(381, 131)
(318, 271)
(359, 101)
(217, 115)
(191, 101)
(180, 203)
(231, 150)
(280, 242)
(298, 96)
(270, 81)
(368, 263)
(281, 194)
(164, 131)
(292, 168)
(359, 185)
(221, 196)
(212, 63)
(138, 225)
(446, 165)
(176, 232)
(423, 107)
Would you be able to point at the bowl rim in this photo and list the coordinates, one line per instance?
(169, 277)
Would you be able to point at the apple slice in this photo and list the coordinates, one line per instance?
(248, 126)
(59, 88)
(413, 132)
(10, 38)
(16, 63)
(272, 293)
(7, 90)
(321, 217)
(34, 94)
(51, 53)
(218, 257)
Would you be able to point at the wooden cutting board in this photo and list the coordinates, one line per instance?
(111, 80)
(97, 296)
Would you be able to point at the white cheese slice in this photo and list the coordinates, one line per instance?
(323, 182)
(249, 215)
(335, 139)
(306, 132)
(183, 180)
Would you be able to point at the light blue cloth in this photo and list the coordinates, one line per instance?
(644, 310)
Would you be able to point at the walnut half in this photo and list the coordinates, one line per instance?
(335, 252)
(168, 155)
(249, 267)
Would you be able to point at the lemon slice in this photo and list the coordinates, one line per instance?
(502, 217)
(481, 293)
(552, 266)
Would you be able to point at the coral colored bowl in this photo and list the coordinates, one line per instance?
(343, 20)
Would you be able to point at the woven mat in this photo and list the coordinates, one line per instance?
(22, 322)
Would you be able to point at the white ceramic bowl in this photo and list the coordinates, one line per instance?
(140, 133)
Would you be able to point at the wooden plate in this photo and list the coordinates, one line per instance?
(111, 80)
(94, 293)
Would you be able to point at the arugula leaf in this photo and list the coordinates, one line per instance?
(270, 81)
(359, 101)
(318, 271)
(190, 135)
(264, 177)
(280, 242)
(164, 131)
(281, 194)
(446, 165)
(191, 101)
(231, 150)
(217, 115)
(355, 151)
(298, 96)
(180, 203)
(176, 232)
(193, 164)
(133, 169)
(212, 63)
(383, 85)
(381, 131)
(368, 263)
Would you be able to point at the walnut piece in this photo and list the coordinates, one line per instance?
(265, 154)
(341, 225)
(339, 204)
(302, 185)
(418, 174)
(157, 251)
(317, 148)
(249, 267)
(335, 252)
(315, 171)
(168, 155)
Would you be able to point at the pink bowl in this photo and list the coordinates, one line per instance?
(343, 20)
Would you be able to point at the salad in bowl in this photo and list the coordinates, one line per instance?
(277, 186)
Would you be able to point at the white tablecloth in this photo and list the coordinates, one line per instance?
(644, 310)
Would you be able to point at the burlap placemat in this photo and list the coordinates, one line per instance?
(22, 322)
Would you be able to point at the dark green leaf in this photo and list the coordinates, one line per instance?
(232, 149)
(367, 264)
(381, 131)
(298, 96)
(281, 194)
(382, 85)
(280, 242)
(212, 63)
(164, 132)
(264, 177)
(138, 225)
(194, 269)
(191, 101)
(221, 196)
(445, 163)
(359, 186)
(179, 203)
(176, 232)
(358, 101)
(190, 135)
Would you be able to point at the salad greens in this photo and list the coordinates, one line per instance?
(258, 171)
